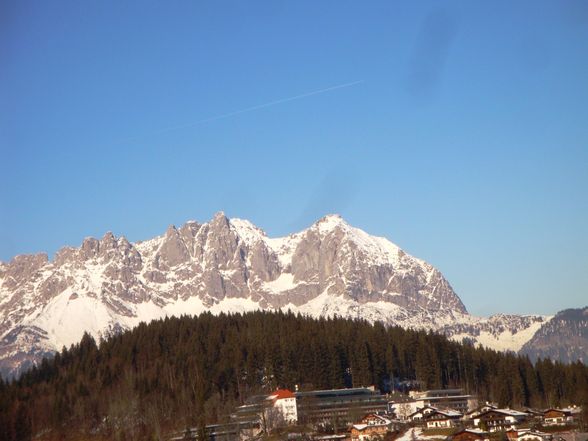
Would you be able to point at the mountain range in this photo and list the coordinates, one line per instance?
(226, 265)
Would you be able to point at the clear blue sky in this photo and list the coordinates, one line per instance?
(466, 143)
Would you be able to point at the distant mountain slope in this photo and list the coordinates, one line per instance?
(229, 265)
(564, 338)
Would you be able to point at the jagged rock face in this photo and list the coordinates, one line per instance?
(225, 265)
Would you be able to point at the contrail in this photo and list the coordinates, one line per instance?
(259, 106)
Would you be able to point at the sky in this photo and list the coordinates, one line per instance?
(458, 130)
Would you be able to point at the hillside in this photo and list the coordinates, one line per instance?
(570, 327)
(186, 371)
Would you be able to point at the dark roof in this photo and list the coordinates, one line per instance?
(336, 392)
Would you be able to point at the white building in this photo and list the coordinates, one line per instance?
(283, 410)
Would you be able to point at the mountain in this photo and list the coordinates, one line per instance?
(569, 326)
(229, 265)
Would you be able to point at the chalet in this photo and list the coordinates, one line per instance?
(560, 417)
(496, 420)
(371, 427)
(479, 410)
(438, 419)
(420, 415)
(534, 414)
(470, 435)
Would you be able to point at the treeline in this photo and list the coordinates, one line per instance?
(188, 371)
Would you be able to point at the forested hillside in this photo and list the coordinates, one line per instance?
(192, 370)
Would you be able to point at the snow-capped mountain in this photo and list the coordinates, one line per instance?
(230, 265)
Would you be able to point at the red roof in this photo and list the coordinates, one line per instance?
(282, 393)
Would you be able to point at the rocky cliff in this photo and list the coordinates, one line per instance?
(229, 265)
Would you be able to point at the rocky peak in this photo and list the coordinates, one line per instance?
(227, 265)
(173, 250)
(330, 222)
(247, 232)
(90, 248)
(20, 268)
(108, 240)
(29, 261)
(189, 230)
(67, 255)
(223, 249)
(171, 231)
(219, 221)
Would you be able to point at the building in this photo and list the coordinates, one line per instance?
(340, 407)
(371, 427)
(496, 420)
(446, 399)
(420, 415)
(234, 431)
(534, 414)
(453, 399)
(337, 407)
(283, 407)
(403, 408)
(533, 435)
(274, 410)
(252, 410)
(433, 418)
(560, 417)
(442, 419)
(480, 410)
(527, 435)
(470, 435)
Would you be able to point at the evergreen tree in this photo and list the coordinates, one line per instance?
(140, 383)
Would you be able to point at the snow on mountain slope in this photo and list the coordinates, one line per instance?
(569, 326)
(500, 332)
(229, 265)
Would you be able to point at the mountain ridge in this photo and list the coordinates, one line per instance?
(230, 265)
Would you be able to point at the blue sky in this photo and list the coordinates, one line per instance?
(465, 140)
